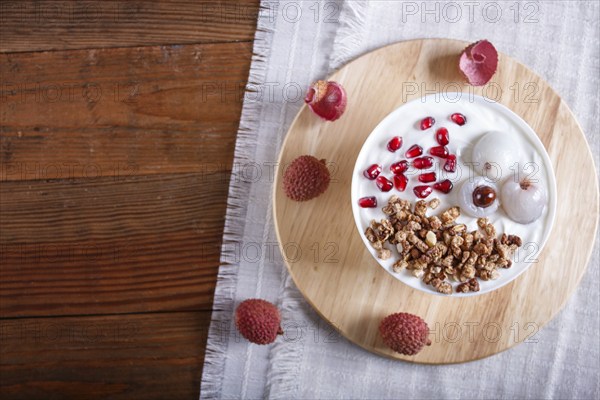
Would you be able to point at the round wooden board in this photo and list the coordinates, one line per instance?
(336, 273)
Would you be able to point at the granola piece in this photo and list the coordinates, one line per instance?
(448, 261)
(435, 223)
(458, 229)
(455, 244)
(490, 230)
(450, 215)
(468, 242)
(413, 226)
(482, 222)
(415, 253)
(503, 250)
(378, 245)
(468, 272)
(513, 240)
(441, 286)
(388, 209)
(384, 254)
(430, 239)
(434, 203)
(399, 265)
(463, 288)
(472, 285)
(421, 208)
(481, 249)
(484, 274)
(370, 235)
(417, 273)
(419, 244)
(428, 277)
(447, 237)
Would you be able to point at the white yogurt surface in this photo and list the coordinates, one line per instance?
(483, 116)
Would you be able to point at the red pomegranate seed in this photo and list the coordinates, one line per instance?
(394, 144)
(427, 123)
(450, 165)
(422, 191)
(414, 151)
(427, 177)
(444, 186)
(439, 151)
(384, 184)
(399, 167)
(400, 182)
(442, 136)
(367, 202)
(423, 162)
(372, 172)
(458, 119)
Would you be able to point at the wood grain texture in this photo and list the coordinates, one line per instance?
(69, 24)
(146, 356)
(108, 112)
(116, 205)
(114, 167)
(352, 291)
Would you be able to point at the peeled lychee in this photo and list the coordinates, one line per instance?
(258, 321)
(306, 178)
(404, 333)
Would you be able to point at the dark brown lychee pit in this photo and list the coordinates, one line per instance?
(484, 196)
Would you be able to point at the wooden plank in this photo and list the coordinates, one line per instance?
(148, 356)
(94, 112)
(69, 24)
(98, 246)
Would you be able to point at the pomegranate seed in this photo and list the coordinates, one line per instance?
(439, 151)
(372, 172)
(444, 186)
(414, 151)
(399, 167)
(422, 191)
(450, 165)
(423, 162)
(384, 184)
(427, 177)
(442, 136)
(427, 123)
(367, 202)
(458, 119)
(400, 182)
(394, 144)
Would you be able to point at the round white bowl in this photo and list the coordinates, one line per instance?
(483, 115)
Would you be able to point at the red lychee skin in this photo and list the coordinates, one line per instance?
(306, 178)
(478, 62)
(404, 333)
(258, 321)
(327, 99)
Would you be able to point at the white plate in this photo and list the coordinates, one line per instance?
(483, 115)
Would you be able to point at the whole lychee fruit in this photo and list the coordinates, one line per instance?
(306, 178)
(258, 321)
(404, 333)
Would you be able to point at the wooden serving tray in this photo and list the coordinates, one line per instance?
(335, 272)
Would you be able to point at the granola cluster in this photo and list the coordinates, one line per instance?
(437, 249)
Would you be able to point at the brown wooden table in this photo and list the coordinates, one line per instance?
(118, 125)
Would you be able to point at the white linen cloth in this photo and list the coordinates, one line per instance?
(298, 42)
